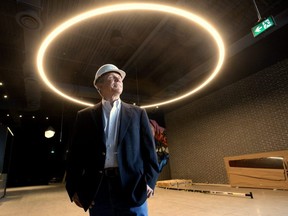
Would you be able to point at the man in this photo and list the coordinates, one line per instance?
(112, 164)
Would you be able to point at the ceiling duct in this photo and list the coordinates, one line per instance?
(31, 24)
(29, 20)
(32, 87)
(36, 4)
(116, 39)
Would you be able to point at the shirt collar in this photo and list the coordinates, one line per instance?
(107, 105)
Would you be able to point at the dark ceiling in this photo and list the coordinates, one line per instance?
(162, 55)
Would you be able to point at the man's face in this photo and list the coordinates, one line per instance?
(111, 85)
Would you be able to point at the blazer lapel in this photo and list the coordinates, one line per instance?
(98, 121)
(97, 114)
(125, 120)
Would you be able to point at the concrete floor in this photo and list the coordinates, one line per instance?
(52, 200)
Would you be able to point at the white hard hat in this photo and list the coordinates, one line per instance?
(106, 69)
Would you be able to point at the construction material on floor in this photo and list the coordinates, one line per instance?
(187, 185)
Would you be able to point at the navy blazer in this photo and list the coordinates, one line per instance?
(137, 159)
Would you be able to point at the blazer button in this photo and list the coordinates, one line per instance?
(100, 171)
(103, 153)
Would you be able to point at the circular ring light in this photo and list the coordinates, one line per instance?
(132, 7)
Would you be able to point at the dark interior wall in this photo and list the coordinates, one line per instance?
(36, 160)
(249, 116)
(3, 138)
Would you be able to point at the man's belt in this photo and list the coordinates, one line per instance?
(111, 172)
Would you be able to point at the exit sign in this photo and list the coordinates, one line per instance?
(263, 26)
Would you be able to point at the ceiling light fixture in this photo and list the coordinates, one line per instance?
(49, 133)
(132, 7)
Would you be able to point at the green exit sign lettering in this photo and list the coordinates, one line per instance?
(263, 26)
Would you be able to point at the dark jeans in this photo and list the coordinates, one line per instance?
(110, 198)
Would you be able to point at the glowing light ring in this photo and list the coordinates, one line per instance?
(128, 7)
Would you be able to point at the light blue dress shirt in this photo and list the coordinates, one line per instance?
(111, 124)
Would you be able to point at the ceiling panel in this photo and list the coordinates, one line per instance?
(162, 55)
